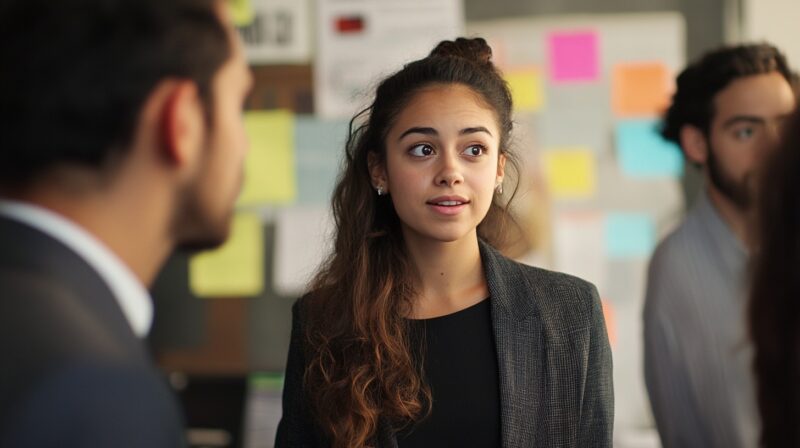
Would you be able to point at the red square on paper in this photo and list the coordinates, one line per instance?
(349, 24)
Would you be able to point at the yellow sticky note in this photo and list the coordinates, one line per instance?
(241, 12)
(237, 268)
(527, 89)
(571, 172)
(269, 167)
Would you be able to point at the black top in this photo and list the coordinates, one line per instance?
(460, 365)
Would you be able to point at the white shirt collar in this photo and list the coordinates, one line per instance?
(133, 298)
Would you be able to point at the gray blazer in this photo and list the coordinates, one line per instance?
(552, 348)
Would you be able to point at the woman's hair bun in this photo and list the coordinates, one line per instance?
(475, 50)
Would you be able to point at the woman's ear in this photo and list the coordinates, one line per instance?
(501, 168)
(377, 172)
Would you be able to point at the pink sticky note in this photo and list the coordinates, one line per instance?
(574, 56)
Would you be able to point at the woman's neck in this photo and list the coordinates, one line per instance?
(450, 275)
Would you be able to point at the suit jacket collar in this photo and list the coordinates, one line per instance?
(27, 250)
(508, 286)
(519, 344)
(127, 290)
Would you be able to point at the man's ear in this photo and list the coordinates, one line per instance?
(694, 144)
(377, 172)
(181, 121)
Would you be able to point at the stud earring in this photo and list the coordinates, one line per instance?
(379, 189)
(499, 188)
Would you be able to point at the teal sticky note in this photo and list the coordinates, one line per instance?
(643, 153)
(319, 149)
(630, 235)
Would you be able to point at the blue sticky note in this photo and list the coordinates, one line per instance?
(643, 153)
(630, 235)
(319, 150)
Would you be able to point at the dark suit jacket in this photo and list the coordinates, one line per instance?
(73, 373)
(552, 348)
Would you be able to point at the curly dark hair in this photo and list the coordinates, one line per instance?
(700, 82)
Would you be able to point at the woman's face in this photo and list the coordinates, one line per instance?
(442, 163)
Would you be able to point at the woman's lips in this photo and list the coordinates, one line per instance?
(448, 205)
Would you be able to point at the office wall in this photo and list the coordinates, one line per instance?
(705, 19)
(775, 21)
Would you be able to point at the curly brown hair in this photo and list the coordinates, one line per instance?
(361, 370)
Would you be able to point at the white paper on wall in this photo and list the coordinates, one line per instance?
(359, 42)
(579, 247)
(303, 238)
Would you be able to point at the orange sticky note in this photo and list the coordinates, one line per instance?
(641, 89)
(611, 324)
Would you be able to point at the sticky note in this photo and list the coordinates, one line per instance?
(319, 150)
(643, 153)
(269, 166)
(237, 268)
(640, 89)
(579, 246)
(571, 172)
(630, 235)
(574, 56)
(611, 323)
(241, 12)
(527, 90)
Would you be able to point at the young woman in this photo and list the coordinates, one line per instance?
(774, 299)
(417, 331)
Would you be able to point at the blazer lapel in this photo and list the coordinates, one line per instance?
(520, 352)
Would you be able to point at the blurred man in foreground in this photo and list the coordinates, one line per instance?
(120, 139)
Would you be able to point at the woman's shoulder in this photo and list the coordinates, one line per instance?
(554, 296)
(516, 271)
(555, 279)
(566, 302)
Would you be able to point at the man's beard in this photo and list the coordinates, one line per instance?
(194, 226)
(737, 192)
(194, 230)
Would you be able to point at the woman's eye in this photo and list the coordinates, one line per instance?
(422, 150)
(474, 150)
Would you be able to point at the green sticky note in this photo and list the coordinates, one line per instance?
(527, 89)
(241, 12)
(270, 165)
(237, 268)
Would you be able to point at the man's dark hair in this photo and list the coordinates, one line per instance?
(76, 73)
(700, 82)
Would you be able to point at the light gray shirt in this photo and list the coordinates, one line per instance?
(698, 361)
